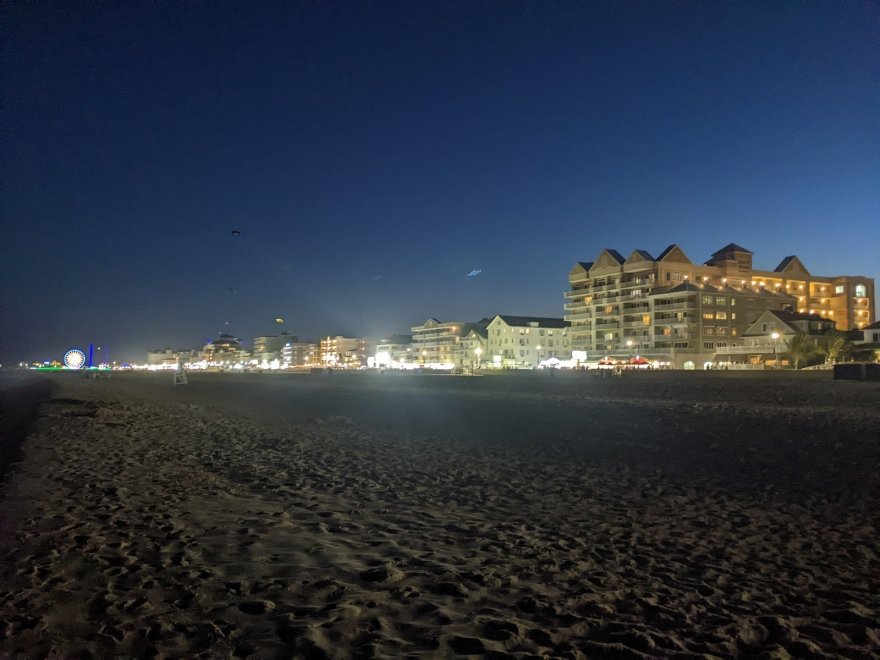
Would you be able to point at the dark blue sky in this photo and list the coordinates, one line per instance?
(416, 142)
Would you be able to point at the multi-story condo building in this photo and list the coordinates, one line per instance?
(359, 356)
(396, 349)
(299, 353)
(225, 349)
(334, 350)
(269, 347)
(526, 341)
(673, 310)
(436, 344)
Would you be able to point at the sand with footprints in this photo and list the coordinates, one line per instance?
(656, 515)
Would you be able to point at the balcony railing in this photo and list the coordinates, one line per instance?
(578, 293)
(659, 305)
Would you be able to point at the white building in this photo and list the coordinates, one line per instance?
(526, 341)
(394, 352)
(473, 347)
(434, 344)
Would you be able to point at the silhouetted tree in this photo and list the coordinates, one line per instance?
(800, 348)
(831, 346)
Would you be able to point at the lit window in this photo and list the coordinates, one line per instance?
(861, 291)
(840, 288)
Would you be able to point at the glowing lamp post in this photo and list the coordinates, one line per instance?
(478, 351)
(629, 346)
(775, 338)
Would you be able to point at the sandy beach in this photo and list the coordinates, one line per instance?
(669, 515)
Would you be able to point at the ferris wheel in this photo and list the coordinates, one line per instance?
(74, 359)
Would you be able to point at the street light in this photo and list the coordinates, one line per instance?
(479, 352)
(775, 338)
(629, 344)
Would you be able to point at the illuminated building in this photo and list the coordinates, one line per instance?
(225, 348)
(871, 334)
(866, 344)
(394, 350)
(299, 353)
(161, 356)
(769, 335)
(472, 348)
(526, 341)
(268, 348)
(435, 343)
(667, 308)
(333, 350)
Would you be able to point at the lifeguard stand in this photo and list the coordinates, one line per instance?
(180, 374)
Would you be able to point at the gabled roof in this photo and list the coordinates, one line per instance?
(731, 247)
(479, 330)
(608, 259)
(639, 255)
(791, 263)
(874, 326)
(674, 253)
(786, 318)
(581, 266)
(617, 256)
(524, 321)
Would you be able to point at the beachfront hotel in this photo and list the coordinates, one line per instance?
(670, 309)
(526, 341)
(436, 344)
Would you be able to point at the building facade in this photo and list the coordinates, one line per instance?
(167, 356)
(337, 350)
(766, 340)
(438, 345)
(473, 348)
(661, 307)
(435, 343)
(226, 349)
(526, 341)
(269, 347)
(395, 350)
(299, 354)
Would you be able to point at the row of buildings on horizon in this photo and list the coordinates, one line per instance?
(664, 310)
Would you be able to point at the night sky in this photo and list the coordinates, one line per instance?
(371, 155)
